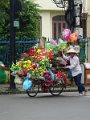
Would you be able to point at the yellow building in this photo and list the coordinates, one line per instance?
(53, 21)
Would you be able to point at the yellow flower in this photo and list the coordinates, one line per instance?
(31, 69)
(41, 73)
(28, 61)
(38, 51)
(28, 66)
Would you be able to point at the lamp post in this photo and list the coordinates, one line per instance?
(61, 3)
(15, 8)
(12, 42)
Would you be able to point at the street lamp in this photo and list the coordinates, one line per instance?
(12, 42)
(61, 3)
(15, 8)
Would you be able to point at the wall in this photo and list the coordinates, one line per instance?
(88, 27)
(47, 5)
(47, 10)
(45, 23)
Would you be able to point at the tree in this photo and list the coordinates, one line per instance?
(27, 14)
(4, 18)
(28, 18)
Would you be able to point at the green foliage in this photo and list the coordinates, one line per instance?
(4, 17)
(28, 17)
(29, 20)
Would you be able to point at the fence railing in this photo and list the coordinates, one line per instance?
(21, 46)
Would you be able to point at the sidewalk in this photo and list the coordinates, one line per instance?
(4, 89)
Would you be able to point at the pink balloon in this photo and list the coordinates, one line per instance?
(65, 34)
(53, 42)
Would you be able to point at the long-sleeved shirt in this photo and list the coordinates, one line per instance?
(74, 65)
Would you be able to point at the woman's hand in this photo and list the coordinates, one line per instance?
(58, 58)
(66, 67)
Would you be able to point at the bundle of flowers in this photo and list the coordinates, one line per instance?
(61, 75)
(35, 61)
(48, 81)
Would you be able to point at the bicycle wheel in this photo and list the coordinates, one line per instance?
(34, 89)
(57, 87)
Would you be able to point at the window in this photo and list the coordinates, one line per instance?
(58, 25)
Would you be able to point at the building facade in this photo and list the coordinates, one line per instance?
(53, 21)
(86, 9)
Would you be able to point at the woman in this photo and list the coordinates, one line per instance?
(76, 69)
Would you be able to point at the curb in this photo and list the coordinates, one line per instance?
(6, 90)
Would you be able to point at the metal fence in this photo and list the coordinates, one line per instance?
(21, 47)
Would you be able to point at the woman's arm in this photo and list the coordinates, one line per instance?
(74, 63)
(65, 57)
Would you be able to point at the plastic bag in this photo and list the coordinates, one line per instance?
(18, 80)
(27, 84)
(52, 74)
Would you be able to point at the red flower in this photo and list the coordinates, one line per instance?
(50, 57)
(31, 51)
(61, 75)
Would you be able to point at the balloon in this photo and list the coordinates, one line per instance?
(63, 45)
(73, 38)
(66, 33)
(51, 47)
(53, 42)
(55, 48)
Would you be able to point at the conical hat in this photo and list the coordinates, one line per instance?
(72, 50)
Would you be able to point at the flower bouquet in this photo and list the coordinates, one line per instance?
(35, 62)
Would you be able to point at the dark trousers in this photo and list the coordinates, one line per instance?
(78, 83)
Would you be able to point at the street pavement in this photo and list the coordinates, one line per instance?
(67, 106)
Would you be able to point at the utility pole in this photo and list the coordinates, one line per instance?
(12, 42)
(15, 8)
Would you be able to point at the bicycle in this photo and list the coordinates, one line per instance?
(55, 87)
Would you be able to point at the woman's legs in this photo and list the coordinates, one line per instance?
(80, 86)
